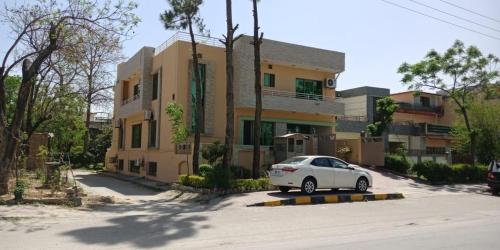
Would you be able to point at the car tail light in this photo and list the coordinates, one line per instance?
(491, 175)
(289, 169)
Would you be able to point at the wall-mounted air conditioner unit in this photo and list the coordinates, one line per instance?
(331, 83)
(148, 115)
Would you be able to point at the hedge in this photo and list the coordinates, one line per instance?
(242, 185)
(457, 173)
(396, 163)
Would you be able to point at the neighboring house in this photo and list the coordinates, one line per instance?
(422, 126)
(295, 100)
(99, 121)
(360, 110)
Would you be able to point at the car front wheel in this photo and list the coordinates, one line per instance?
(308, 186)
(362, 185)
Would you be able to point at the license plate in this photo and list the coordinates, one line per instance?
(276, 172)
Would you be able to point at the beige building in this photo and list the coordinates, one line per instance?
(422, 125)
(296, 99)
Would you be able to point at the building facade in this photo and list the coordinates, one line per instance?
(422, 126)
(294, 95)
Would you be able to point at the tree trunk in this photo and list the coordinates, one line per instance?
(258, 94)
(198, 104)
(87, 123)
(472, 135)
(228, 141)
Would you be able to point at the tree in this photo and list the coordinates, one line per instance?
(485, 121)
(457, 73)
(385, 110)
(228, 41)
(95, 57)
(179, 131)
(184, 15)
(213, 152)
(57, 25)
(257, 41)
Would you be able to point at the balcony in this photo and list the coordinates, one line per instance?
(419, 129)
(409, 107)
(299, 102)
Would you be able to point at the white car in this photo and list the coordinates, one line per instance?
(311, 172)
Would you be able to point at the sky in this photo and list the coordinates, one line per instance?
(375, 36)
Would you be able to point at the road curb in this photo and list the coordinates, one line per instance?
(324, 199)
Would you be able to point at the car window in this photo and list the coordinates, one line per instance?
(338, 164)
(294, 160)
(321, 162)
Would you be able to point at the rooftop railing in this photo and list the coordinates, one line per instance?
(288, 94)
(184, 36)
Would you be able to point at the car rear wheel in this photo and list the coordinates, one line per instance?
(284, 189)
(362, 185)
(495, 191)
(308, 186)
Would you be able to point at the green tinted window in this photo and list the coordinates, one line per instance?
(202, 70)
(136, 136)
(269, 80)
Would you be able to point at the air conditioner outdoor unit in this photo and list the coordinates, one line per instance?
(118, 123)
(331, 83)
(148, 115)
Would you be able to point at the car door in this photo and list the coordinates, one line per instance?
(344, 177)
(323, 172)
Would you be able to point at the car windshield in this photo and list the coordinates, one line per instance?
(294, 160)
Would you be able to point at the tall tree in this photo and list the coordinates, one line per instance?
(95, 58)
(57, 24)
(257, 41)
(229, 41)
(458, 72)
(184, 14)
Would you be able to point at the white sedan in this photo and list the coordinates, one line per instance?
(311, 172)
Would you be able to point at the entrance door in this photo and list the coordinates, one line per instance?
(295, 147)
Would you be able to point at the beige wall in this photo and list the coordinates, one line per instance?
(416, 118)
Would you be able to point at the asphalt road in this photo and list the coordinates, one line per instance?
(454, 220)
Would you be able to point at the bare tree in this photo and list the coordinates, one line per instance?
(257, 41)
(58, 24)
(94, 58)
(228, 41)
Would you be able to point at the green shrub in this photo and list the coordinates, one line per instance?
(219, 177)
(19, 189)
(468, 173)
(213, 152)
(193, 181)
(397, 163)
(204, 169)
(251, 184)
(240, 172)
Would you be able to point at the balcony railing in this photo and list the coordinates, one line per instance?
(130, 99)
(184, 36)
(419, 107)
(312, 97)
(360, 118)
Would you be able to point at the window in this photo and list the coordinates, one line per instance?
(152, 134)
(120, 165)
(134, 167)
(136, 90)
(321, 162)
(425, 101)
(152, 168)
(266, 133)
(136, 136)
(202, 73)
(299, 128)
(338, 164)
(269, 80)
(155, 86)
(120, 137)
(309, 89)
